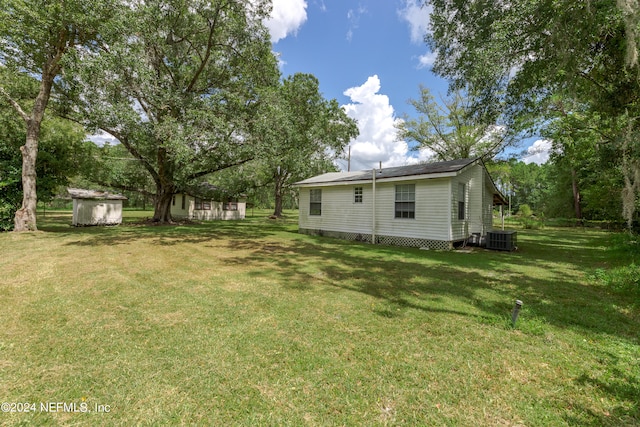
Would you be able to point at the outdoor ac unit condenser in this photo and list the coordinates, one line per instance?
(500, 240)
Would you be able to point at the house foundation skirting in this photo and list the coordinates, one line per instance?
(381, 240)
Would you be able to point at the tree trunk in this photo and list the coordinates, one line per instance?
(162, 205)
(25, 217)
(576, 195)
(164, 189)
(278, 197)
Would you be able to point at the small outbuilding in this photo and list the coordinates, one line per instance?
(206, 202)
(92, 207)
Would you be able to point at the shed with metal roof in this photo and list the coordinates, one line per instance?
(92, 207)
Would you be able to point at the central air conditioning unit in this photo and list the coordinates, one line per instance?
(502, 240)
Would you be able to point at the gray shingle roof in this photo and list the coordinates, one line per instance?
(395, 172)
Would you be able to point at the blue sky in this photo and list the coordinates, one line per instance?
(371, 57)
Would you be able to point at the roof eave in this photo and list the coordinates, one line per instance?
(369, 180)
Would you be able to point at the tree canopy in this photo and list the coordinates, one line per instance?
(37, 38)
(536, 61)
(450, 129)
(181, 91)
(305, 133)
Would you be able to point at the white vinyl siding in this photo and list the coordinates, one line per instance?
(432, 209)
(339, 212)
(436, 207)
(487, 206)
(207, 210)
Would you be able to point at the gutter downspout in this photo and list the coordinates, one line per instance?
(373, 202)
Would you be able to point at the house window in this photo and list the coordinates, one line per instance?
(183, 200)
(357, 195)
(173, 200)
(315, 202)
(202, 205)
(405, 206)
(462, 196)
(230, 205)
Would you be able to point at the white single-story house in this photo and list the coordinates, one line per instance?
(96, 207)
(207, 202)
(433, 205)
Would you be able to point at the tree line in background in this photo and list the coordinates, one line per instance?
(192, 92)
(566, 70)
(189, 89)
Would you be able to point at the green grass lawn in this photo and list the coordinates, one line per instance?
(250, 323)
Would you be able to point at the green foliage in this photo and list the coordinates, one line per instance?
(301, 133)
(525, 211)
(625, 279)
(579, 83)
(180, 86)
(529, 223)
(62, 154)
(527, 220)
(10, 192)
(526, 183)
(450, 129)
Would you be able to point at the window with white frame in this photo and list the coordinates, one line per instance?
(462, 197)
(405, 203)
(315, 202)
(357, 195)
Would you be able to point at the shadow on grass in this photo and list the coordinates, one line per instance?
(557, 291)
(482, 285)
(616, 382)
(484, 281)
(548, 273)
(172, 234)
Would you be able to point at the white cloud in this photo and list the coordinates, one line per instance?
(353, 16)
(100, 138)
(287, 16)
(377, 141)
(418, 17)
(426, 60)
(538, 152)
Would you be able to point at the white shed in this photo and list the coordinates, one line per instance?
(96, 207)
(434, 205)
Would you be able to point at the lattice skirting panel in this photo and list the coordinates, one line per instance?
(382, 240)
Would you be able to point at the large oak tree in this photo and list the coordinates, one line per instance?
(179, 84)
